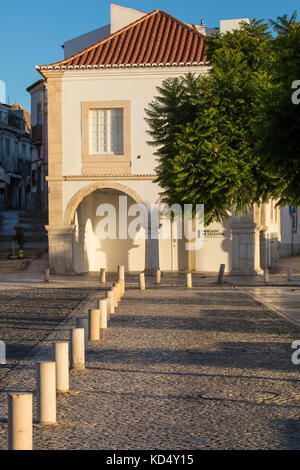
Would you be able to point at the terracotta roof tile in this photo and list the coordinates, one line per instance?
(155, 39)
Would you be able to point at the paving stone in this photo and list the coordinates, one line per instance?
(207, 368)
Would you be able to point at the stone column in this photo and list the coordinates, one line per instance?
(274, 243)
(263, 240)
(60, 239)
(152, 249)
(245, 249)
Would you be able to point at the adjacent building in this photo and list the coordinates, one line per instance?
(15, 156)
(38, 200)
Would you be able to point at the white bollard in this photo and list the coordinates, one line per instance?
(94, 325)
(84, 323)
(142, 284)
(20, 421)
(77, 349)
(266, 275)
(108, 308)
(47, 275)
(103, 314)
(111, 298)
(46, 385)
(121, 270)
(289, 274)
(122, 287)
(115, 291)
(119, 286)
(189, 284)
(158, 276)
(61, 358)
(103, 276)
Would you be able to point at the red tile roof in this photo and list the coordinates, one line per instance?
(155, 39)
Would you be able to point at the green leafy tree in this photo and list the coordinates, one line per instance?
(278, 127)
(205, 139)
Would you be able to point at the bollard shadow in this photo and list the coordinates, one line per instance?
(289, 432)
(224, 299)
(239, 355)
(193, 374)
(230, 324)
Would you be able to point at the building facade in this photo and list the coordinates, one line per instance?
(15, 156)
(38, 200)
(98, 155)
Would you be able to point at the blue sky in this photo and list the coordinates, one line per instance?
(32, 31)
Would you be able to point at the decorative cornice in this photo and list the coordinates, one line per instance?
(50, 68)
(106, 177)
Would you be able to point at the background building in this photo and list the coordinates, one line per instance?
(15, 156)
(38, 200)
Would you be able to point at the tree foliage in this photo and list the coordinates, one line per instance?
(278, 126)
(207, 130)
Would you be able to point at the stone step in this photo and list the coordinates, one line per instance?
(29, 253)
(29, 237)
(11, 266)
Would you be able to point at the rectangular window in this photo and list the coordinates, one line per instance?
(39, 113)
(7, 147)
(33, 178)
(295, 221)
(106, 131)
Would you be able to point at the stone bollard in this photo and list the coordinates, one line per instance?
(47, 275)
(142, 284)
(111, 298)
(94, 325)
(46, 385)
(122, 287)
(266, 275)
(103, 314)
(20, 421)
(118, 291)
(115, 291)
(189, 283)
(221, 273)
(158, 276)
(77, 349)
(60, 353)
(103, 276)
(108, 308)
(119, 286)
(121, 270)
(289, 274)
(84, 323)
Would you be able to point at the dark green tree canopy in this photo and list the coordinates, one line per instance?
(204, 127)
(278, 126)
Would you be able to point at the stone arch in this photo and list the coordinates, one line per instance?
(81, 194)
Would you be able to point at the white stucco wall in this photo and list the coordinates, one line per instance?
(138, 85)
(290, 240)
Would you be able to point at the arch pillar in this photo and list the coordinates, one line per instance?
(61, 256)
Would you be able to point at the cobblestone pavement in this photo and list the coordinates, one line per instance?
(28, 316)
(207, 368)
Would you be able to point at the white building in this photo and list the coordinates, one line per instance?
(97, 150)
